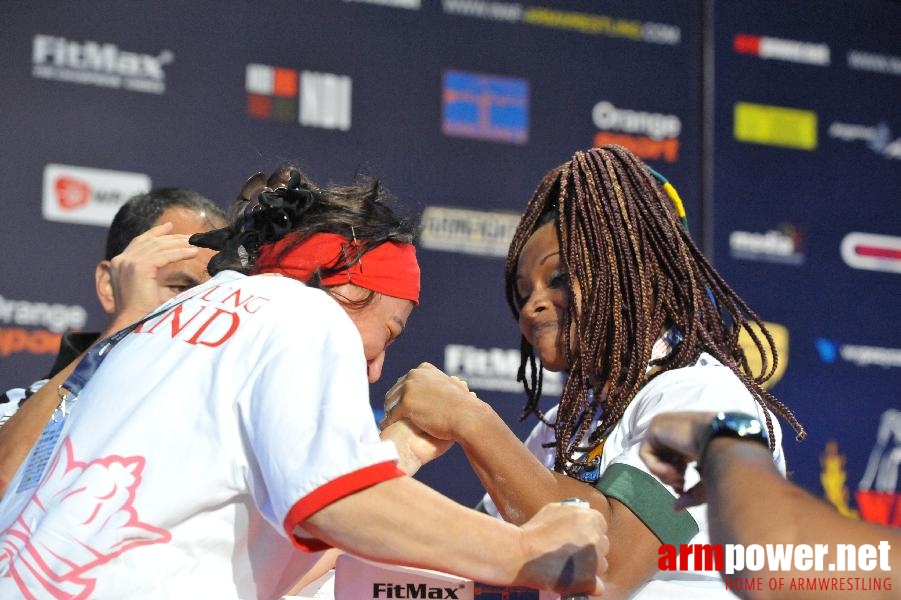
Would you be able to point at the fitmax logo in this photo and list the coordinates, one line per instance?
(101, 64)
(411, 590)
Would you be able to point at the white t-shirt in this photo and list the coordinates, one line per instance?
(707, 385)
(195, 450)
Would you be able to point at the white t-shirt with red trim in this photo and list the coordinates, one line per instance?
(707, 386)
(196, 449)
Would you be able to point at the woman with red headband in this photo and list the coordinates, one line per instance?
(193, 448)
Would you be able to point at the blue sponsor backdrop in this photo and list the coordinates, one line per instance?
(779, 130)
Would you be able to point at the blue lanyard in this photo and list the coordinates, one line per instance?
(96, 355)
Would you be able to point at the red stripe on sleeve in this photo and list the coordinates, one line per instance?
(330, 492)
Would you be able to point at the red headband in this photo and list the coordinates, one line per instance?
(389, 268)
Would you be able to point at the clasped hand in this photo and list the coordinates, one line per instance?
(424, 412)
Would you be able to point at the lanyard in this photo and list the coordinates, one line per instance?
(46, 445)
(68, 391)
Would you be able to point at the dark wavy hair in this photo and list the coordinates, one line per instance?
(638, 273)
(141, 211)
(288, 203)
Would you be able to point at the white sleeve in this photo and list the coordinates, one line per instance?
(308, 421)
(712, 387)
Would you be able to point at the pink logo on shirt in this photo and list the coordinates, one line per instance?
(80, 517)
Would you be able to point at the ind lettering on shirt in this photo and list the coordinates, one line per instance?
(209, 319)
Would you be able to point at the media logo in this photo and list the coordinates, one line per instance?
(878, 138)
(467, 231)
(101, 64)
(88, 196)
(770, 48)
(313, 99)
(831, 351)
(872, 252)
(755, 358)
(651, 136)
(493, 369)
(775, 126)
(782, 245)
(486, 107)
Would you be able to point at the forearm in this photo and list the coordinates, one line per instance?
(520, 485)
(23, 429)
(749, 502)
(741, 477)
(400, 527)
(515, 479)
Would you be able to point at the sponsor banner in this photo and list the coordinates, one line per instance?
(872, 252)
(493, 369)
(88, 196)
(782, 245)
(651, 136)
(831, 351)
(98, 63)
(35, 327)
(467, 231)
(879, 492)
(878, 138)
(312, 99)
(408, 4)
(16, 340)
(567, 20)
(487, 107)
(53, 316)
(775, 126)
(886, 64)
(770, 48)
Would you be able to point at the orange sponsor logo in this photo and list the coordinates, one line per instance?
(14, 340)
(643, 147)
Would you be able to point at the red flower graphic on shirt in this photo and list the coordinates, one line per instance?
(81, 516)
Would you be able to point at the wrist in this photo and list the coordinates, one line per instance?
(735, 426)
(472, 422)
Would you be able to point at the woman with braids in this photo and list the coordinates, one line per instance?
(608, 287)
(192, 449)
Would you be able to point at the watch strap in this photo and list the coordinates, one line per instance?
(735, 425)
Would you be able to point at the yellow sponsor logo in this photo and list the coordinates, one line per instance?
(775, 126)
(755, 360)
(583, 22)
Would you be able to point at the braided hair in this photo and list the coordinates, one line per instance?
(288, 203)
(638, 273)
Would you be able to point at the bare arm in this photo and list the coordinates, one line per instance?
(562, 548)
(749, 502)
(517, 482)
(23, 429)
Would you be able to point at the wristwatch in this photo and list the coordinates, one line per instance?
(733, 425)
